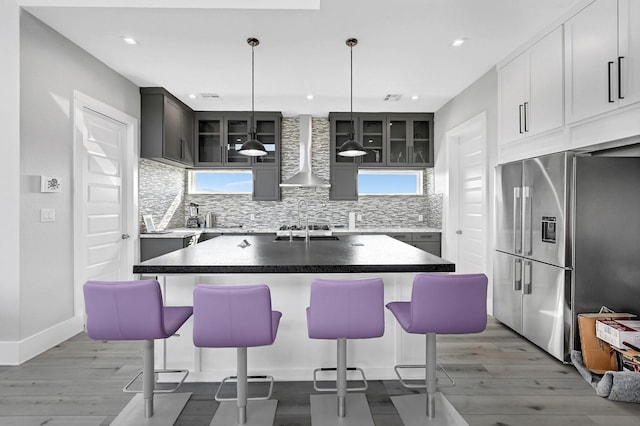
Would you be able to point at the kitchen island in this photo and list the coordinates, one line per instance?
(288, 268)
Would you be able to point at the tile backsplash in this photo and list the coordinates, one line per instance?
(163, 193)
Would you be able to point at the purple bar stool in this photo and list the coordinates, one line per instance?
(440, 304)
(133, 310)
(341, 310)
(237, 317)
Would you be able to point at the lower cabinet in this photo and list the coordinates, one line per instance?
(427, 241)
(154, 247)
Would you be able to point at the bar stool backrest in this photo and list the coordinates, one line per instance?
(124, 310)
(233, 316)
(448, 304)
(351, 309)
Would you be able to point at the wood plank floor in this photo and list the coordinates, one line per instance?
(502, 380)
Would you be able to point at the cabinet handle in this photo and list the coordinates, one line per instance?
(526, 113)
(528, 278)
(520, 118)
(609, 77)
(181, 148)
(620, 58)
(517, 275)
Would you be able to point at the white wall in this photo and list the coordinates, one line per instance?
(481, 96)
(10, 174)
(51, 68)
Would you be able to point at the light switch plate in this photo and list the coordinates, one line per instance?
(47, 215)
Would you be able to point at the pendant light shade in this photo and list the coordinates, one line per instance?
(351, 148)
(252, 147)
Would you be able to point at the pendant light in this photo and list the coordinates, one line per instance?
(252, 147)
(351, 148)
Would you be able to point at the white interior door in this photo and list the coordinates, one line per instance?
(104, 196)
(466, 216)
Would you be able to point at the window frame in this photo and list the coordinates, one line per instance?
(418, 173)
(191, 180)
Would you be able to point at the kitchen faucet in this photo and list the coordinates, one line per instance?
(306, 219)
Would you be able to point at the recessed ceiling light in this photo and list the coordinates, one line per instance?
(192, 96)
(310, 97)
(458, 42)
(414, 97)
(129, 40)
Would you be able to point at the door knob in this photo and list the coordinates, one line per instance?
(125, 236)
(459, 231)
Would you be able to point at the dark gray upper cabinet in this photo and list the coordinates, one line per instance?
(266, 182)
(166, 128)
(344, 182)
(219, 136)
(397, 140)
(344, 170)
(390, 139)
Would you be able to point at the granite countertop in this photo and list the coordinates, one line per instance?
(351, 254)
(187, 232)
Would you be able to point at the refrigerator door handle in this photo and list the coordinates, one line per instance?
(528, 272)
(528, 221)
(517, 221)
(517, 275)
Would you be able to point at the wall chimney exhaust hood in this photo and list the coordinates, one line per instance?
(305, 178)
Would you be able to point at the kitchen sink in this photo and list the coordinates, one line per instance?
(311, 237)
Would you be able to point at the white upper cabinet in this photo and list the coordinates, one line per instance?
(531, 90)
(629, 50)
(602, 45)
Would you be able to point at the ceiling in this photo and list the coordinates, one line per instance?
(404, 47)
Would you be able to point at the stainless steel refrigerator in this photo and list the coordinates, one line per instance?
(567, 242)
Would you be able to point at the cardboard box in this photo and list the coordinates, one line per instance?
(597, 355)
(615, 332)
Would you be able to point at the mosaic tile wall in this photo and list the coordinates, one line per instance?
(159, 191)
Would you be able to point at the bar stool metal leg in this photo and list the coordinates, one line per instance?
(148, 377)
(341, 379)
(242, 385)
(431, 375)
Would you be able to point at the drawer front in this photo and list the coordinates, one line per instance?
(426, 236)
(432, 247)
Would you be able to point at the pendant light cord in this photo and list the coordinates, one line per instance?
(353, 130)
(253, 116)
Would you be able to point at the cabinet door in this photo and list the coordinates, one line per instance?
(420, 142)
(373, 137)
(237, 129)
(512, 98)
(398, 146)
(209, 141)
(266, 182)
(187, 137)
(344, 182)
(341, 128)
(591, 45)
(173, 145)
(268, 131)
(629, 51)
(545, 107)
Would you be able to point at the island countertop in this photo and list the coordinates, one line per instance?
(261, 254)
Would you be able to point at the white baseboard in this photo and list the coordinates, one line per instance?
(15, 353)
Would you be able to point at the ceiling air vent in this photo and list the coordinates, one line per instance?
(214, 96)
(392, 97)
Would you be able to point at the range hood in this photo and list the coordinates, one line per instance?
(305, 178)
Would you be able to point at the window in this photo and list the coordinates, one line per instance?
(389, 182)
(220, 182)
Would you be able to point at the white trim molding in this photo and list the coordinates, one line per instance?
(15, 353)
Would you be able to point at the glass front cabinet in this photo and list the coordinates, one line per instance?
(390, 140)
(220, 136)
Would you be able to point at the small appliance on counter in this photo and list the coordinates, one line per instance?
(210, 220)
(193, 221)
